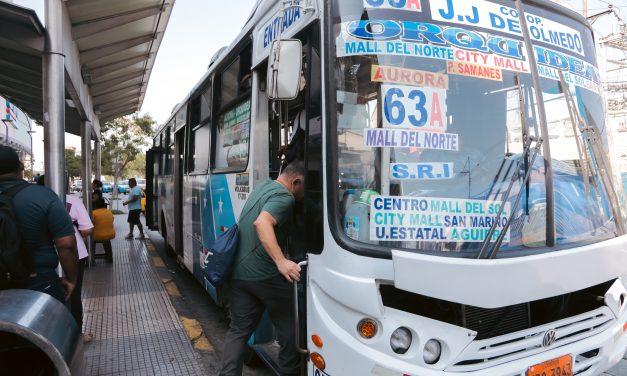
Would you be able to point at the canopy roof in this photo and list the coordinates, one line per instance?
(109, 46)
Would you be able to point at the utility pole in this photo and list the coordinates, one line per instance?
(585, 8)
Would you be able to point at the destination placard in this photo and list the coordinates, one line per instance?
(433, 219)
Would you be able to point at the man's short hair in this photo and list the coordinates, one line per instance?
(133, 181)
(97, 183)
(294, 169)
(9, 160)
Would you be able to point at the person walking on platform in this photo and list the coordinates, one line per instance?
(104, 231)
(96, 187)
(134, 209)
(83, 228)
(262, 275)
(46, 230)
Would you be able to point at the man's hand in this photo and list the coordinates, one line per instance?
(289, 269)
(69, 288)
(124, 203)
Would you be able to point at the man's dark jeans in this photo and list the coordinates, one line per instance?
(248, 301)
(49, 283)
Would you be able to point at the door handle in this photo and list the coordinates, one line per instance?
(302, 264)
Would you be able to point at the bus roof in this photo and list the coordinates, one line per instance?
(259, 10)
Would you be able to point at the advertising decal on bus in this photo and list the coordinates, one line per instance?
(395, 218)
(281, 24)
(409, 138)
(412, 77)
(421, 171)
(409, 5)
(408, 38)
(414, 108)
(474, 70)
(488, 15)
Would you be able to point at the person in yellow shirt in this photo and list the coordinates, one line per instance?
(103, 227)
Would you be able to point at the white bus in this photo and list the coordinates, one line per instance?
(462, 213)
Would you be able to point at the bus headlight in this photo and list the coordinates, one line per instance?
(400, 340)
(432, 351)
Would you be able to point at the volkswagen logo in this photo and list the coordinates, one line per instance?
(549, 338)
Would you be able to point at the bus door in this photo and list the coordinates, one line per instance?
(178, 190)
(294, 130)
(153, 156)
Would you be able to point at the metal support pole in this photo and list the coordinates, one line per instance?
(86, 163)
(585, 8)
(54, 99)
(98, 161)
(86, 177)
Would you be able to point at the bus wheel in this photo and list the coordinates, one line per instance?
(251, 358)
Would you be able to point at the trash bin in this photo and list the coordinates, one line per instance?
(38, 335)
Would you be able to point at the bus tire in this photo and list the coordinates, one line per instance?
(251, 358)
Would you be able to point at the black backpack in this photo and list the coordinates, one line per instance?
(14, 261)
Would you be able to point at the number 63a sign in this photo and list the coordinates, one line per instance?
(410, 107)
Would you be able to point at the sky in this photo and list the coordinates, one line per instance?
(195, 31)
(198, 28)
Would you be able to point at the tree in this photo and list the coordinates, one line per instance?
(137, 168)
(123, 140)
(72, 162)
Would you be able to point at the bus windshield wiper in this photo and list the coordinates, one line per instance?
(594, 162)
(484, 252)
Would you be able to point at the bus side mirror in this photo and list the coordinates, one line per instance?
(284, 69)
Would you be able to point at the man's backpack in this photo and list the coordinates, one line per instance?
(218, 264)
(14, 261)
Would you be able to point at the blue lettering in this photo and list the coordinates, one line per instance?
(425, 171)
(465, 39)
(400, 171)
(374, 29)
(378, 203)
(422, 32)
(505, 47)
(420, 108)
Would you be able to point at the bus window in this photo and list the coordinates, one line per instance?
(232, 130)
(232, 134)
(169, 151)
(198, 157)
(205, 103)
(181, 117)
(229, 83)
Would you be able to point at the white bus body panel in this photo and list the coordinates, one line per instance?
(504, 282)
(343, 288)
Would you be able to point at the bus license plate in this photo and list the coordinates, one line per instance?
(562, 366)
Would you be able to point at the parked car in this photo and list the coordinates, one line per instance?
(123, 187)
(141, 183)
(106, 187)
(77, 186)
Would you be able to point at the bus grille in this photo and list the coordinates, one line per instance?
(490, 323)
(485, 353)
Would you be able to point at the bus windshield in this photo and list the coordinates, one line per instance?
(438, 137)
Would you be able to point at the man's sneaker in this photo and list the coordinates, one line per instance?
(129, 236)
(142, 236)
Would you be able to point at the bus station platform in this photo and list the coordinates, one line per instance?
(127, 310)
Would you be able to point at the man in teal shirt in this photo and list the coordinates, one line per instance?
(262, 275)
(134, 209)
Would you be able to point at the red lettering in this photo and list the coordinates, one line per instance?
(429, 80)
(378, 76)
(405, 76)
(415, 4)
(436, 111)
